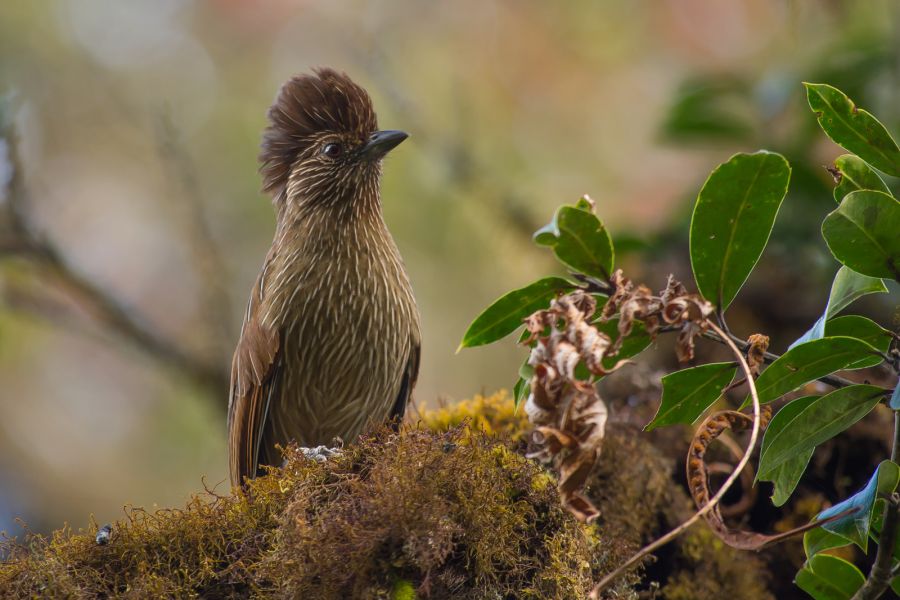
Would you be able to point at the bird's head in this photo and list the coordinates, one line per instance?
(322, 146)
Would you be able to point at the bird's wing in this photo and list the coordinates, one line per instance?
(410, 375)
(254, 382)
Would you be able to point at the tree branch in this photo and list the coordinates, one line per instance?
(832, 380)
(25, 241)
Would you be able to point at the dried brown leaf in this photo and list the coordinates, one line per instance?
(756, 352)
(698, 477)
(569, 416)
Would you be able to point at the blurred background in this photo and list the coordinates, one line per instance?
(132, 223)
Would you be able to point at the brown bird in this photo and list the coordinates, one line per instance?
(330, 340)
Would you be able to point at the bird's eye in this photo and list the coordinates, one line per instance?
(332, 150)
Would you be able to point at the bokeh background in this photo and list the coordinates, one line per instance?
(135, 156)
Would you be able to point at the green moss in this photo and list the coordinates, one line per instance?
(449, 508)
(453, 514)
(403, 590)
(494, 415)
(725, 572)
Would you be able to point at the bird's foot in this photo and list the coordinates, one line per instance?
(323, 453)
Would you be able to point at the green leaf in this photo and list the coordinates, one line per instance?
(688, 393)
(863, 329)
(854, 174)
(521, 391)
(877, 522)
(852, 128)
(818, 422)
(862, 233)
(855, 526)
(715, 108)
(827, 577)
(786, 476)
(549, 234)
(523, 386)
(807, 362)
(732, 220)
(817, 540)
(636, 342)
(848, 285)
(505, 315)
(579, 240)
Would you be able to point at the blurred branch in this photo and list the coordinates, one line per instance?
(205, 253)
(20, 238)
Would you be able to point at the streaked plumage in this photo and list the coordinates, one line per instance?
(330, 341)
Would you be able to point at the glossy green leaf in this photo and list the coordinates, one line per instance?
(521, 391)
(505, 315)
(818, 539)
(786, 476)
(852, 128)
(855, 526)
(863, 329)
(807, 362)
(732, 220)
(827, 577)
(688, 393)
(636, 342)
(848, 285)
(854, 174)
(818, 422)
(862, 233)
(522, 388)
(579, 240)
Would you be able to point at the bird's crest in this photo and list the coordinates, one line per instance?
(306, 106)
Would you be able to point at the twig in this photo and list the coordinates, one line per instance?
(880, 576)
(595, 286)
(832, 380)
(754, 434)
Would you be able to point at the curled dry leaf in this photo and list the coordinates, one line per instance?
(565, 408)
(674, 306)
(568, 414)
(698, 480)
(756, 352)
(687, 311)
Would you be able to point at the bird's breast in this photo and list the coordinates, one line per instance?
(348, 319)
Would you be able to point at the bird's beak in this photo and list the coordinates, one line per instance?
(382, 142)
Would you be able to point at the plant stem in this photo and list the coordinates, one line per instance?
(832, 380)
(595, 286)
(754, 434)
(880, 576)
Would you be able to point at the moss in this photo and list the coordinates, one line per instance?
(725, 572)
(494, 415)
(449, 508)
(403, 590)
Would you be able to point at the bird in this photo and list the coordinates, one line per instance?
(330, 341)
